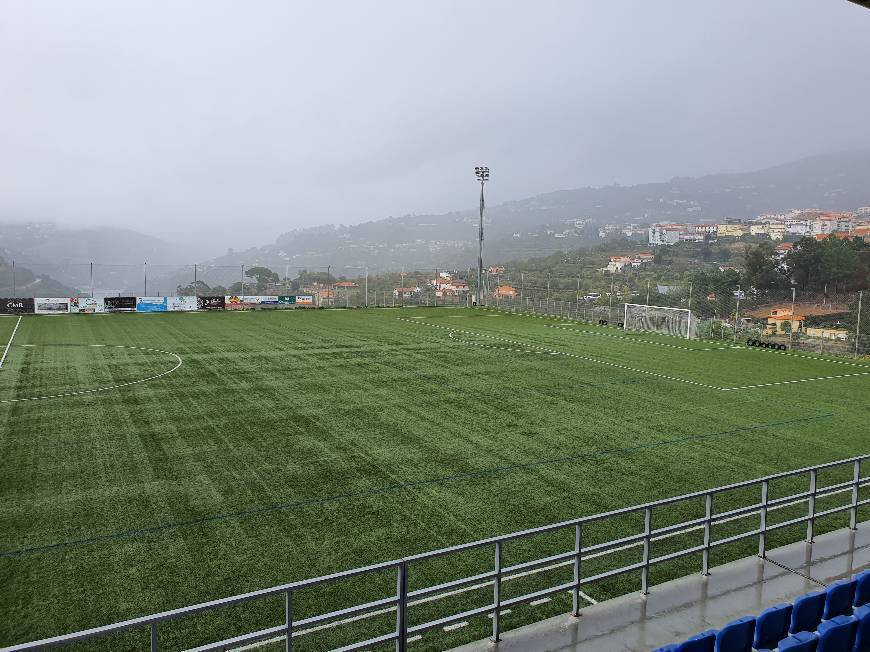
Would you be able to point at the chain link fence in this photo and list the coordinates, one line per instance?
(823, 322)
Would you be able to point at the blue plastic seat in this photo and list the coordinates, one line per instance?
(837, 634)
(862, 589)
(807, 612)
(838, 600)
(771, 626)
(800, 642)
(703, 642)
(672, 647)
(862, 630)
(736, 636)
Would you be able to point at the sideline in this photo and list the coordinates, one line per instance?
(9, 343)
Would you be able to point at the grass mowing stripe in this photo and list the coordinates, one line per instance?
(626, 450)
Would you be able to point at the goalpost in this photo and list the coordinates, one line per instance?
(661, 319)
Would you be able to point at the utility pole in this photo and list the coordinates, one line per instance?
(578, 294)
(92, 280)
(195, 288)
(14, 287)
(402, 289)
(243, 281)
(689, 328)
(737, 313)
(145, 270)
(858, 325)
(791, 321)
(647, 292)
(482, 174)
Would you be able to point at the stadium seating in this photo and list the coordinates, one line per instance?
(736, 636)
(862, 589)
(807, 612)
(800, 642)
(834, 620)
(862, 629)
(771, 627)
(838, 600)
(837, 634)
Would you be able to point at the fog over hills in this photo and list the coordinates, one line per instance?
(517, 229)
(539, 225)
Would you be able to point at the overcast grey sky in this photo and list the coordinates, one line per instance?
(240, 120)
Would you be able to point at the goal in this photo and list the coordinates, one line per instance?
(671, 321)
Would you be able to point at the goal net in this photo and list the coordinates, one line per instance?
(671, 321)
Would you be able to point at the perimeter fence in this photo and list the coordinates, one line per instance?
(826, 321)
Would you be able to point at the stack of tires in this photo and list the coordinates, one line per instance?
(766, 345)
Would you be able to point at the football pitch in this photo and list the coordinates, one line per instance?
(152, 461)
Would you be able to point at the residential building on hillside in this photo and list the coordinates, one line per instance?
(666, 234)
(505, 292)
(617, 263)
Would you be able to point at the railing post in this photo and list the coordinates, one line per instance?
(288, 621)
(402, 607)
(856, 481)
(575, 594)
(762, 526)
(647, 528)
(154, 641)
(496, 595)
(811, 504)
(708, 518)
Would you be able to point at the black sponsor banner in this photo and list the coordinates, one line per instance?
(14, 306)
(211, 303)
(120, 304)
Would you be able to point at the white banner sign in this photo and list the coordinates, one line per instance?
(51, 306)
(184, 304)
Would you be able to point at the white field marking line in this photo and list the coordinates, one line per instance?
(9, 343)
(535, 603)
(109, 387)
(632, 339)
(527, 348)
(730, 346)
(800, 380)
(756, 349)
(452, 626)
(642, 371)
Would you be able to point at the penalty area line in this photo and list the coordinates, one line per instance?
(9, 343)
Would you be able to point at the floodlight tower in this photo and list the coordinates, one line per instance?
(482, 174)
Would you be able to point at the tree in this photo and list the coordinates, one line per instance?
(263, 276)
(761, 269)
(198, 288)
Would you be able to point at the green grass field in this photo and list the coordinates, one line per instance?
(292, 444)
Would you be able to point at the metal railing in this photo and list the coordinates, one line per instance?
(403, 601)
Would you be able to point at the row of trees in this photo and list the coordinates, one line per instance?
(262, 281)
(832, 265)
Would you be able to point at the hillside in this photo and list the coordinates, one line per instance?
(26, 283)
(66, 254)
(539, 225)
